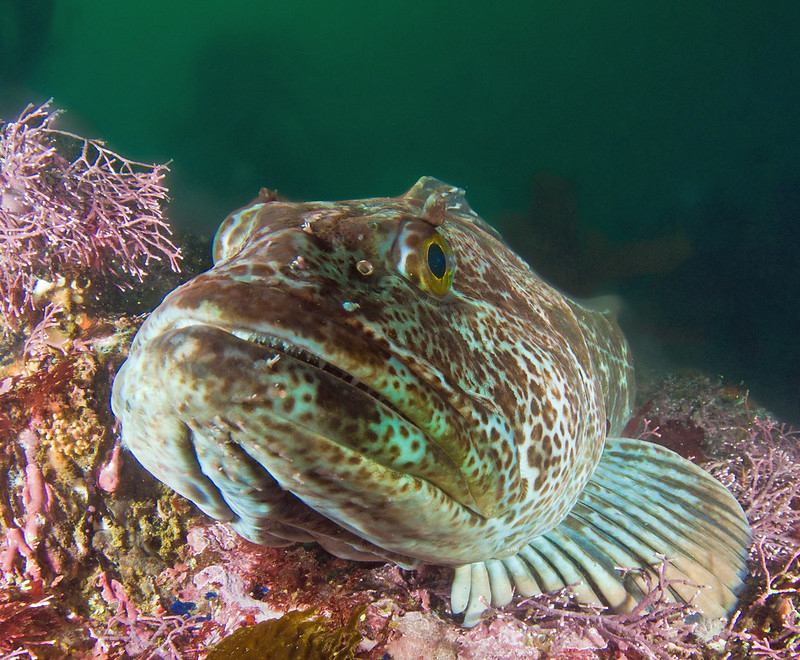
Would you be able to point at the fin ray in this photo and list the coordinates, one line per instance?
(643, 502)
(647, 533)
(726, 520)
(671, 517)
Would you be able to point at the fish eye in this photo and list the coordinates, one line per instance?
(424, 257)
(438, 276)
(437, 261)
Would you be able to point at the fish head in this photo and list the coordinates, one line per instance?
(387, 362)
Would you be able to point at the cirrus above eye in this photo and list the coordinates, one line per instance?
(425, 258)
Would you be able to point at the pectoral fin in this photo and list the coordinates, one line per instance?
(643, 502)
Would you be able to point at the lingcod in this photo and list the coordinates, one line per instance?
(387, 378)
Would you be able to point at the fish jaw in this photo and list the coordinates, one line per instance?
(354, 460)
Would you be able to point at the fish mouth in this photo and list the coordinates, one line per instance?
(360, 415)
(352, 393)
(411, 428)
(284, 347)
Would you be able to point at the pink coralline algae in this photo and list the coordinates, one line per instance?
(108, 475)
(231, 577)
(37, 497)
(70, 207)
(764, 473)
(655, 628)
(129, 633)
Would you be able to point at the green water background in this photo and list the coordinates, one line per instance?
(646, 149)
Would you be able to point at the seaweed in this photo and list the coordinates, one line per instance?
(297, 635)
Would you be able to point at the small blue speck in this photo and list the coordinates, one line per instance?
(181, 609)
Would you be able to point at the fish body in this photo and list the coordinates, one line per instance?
(387, 378)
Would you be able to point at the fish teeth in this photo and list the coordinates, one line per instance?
(287, 348)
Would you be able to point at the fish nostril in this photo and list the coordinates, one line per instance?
(365, 267)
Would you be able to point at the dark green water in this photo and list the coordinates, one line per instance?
(647, 149)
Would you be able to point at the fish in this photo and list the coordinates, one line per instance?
(387, 378)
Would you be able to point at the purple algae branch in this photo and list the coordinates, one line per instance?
(70, 207)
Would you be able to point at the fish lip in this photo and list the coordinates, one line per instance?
(441, 470)
(283, 346)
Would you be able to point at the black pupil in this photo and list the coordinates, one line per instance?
(437, 262)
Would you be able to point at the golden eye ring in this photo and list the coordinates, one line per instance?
(424, 257)
(436, 261)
